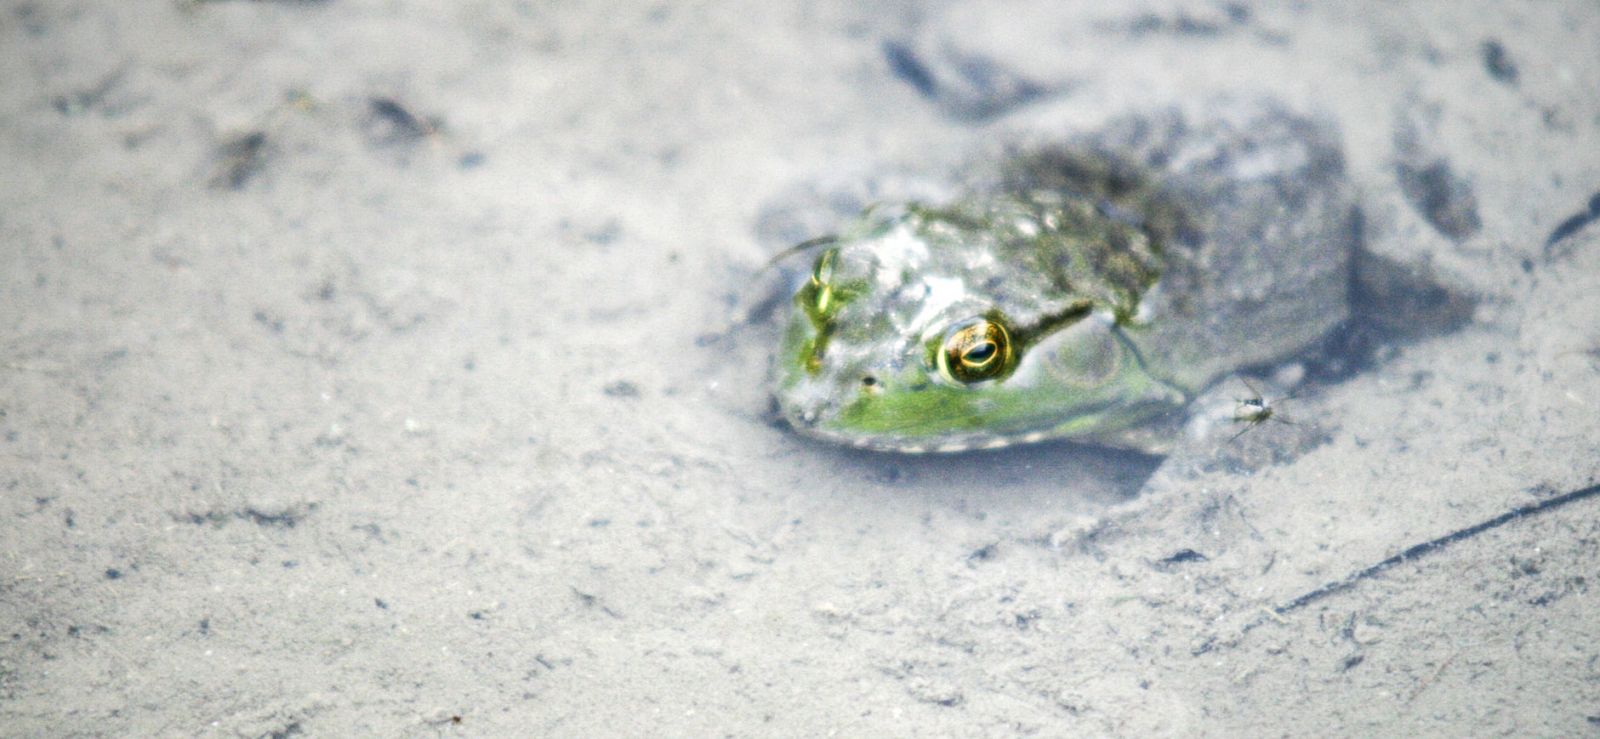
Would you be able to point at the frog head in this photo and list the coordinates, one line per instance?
(913, 333)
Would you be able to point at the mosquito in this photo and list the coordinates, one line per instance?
(1256, 410)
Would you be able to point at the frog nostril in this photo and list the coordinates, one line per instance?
(869, 381)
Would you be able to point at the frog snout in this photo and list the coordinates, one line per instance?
(807, 415)
(809, 405)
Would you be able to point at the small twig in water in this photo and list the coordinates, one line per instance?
(1428, 547)
(1435, 678)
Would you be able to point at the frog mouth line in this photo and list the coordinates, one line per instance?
(1048, 324)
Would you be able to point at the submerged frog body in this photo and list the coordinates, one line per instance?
(1084, 290)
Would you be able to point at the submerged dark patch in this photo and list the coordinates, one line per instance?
(963, 86)
(905, 65)
(239, 159)
(1497, 61)
(286, 518)
(1574, 223)
(1444, 198)
(1392, 304)
(390, 123)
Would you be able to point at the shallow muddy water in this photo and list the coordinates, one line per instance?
(399, 369)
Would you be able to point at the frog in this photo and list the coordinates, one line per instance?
(1083, 286)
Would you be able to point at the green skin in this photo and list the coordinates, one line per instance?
(1122, 297)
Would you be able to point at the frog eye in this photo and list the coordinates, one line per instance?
(975, 350)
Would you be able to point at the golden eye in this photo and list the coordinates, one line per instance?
(975, 350)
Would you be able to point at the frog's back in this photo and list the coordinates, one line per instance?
(1253, 215)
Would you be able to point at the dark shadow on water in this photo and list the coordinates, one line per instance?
(1391, 304)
